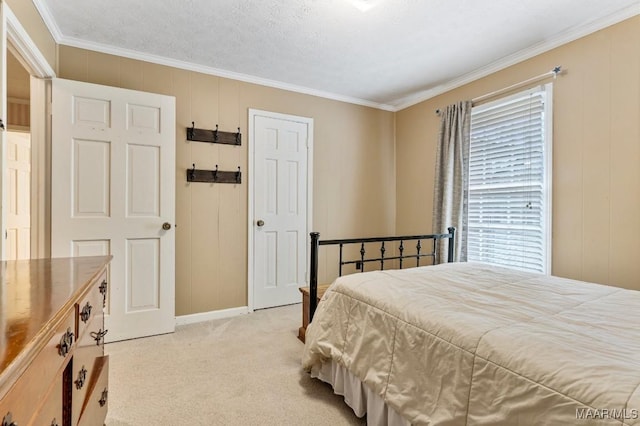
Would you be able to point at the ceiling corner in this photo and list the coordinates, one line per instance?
(563, 38)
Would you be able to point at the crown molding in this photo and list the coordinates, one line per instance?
(564, 38)
(397, 105)
(44, 11)
(162, 60)
(48, 19)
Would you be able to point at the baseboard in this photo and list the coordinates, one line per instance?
(211, 315)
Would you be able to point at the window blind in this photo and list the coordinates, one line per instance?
(507, 208)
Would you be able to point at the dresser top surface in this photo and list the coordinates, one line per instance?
(33, 292)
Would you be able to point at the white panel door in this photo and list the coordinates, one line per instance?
(18, 193)
(113, 192)
(280, 146)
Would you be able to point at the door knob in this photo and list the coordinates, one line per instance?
(260, 222)
(166, 226)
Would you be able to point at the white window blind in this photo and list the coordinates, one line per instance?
(509, 174)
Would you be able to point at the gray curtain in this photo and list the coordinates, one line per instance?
(450, 191)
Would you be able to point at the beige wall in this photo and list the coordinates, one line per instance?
(32, 22)
(596, 154)
(18, 81)
(373, 170)
(354, 168)
(18, 94)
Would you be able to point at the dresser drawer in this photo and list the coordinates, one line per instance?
(50, 412)
(43, 371)
(94, 410)
(86, 363)
(91, 305)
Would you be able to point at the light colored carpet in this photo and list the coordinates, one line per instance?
(239, 371)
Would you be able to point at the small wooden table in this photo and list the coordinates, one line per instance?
(305, 307)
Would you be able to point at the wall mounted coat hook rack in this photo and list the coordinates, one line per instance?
(213, 176)
(213, 136)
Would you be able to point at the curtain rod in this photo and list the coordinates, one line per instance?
(553, 73)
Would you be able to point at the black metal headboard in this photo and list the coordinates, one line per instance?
(316, 243)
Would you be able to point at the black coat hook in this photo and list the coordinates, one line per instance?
(238, 140)
(191, 130)
(192, 172)
(215, 173)
(238, 175)
(215, 134)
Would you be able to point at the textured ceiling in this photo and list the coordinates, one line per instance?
(392, 52)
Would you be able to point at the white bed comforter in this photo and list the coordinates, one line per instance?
(472, 344)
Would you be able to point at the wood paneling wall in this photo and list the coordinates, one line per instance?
(596, 153)
(354, 169)
(373, 170)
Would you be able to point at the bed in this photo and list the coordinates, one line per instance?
(474, 344)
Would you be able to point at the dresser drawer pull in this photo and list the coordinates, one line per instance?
(103, 291)
(103, 399)
(8, 421)
(98, 336)
(86, 312)
(82, 376)
(65, 342)
(54, 422)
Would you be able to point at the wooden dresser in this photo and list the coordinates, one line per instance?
(53, 370)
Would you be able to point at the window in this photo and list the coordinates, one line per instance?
(509, 203)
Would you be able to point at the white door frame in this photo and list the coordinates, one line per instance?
(253, 113)
(24, 47)
(26, 51)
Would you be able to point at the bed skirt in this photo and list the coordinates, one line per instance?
(357, 395)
